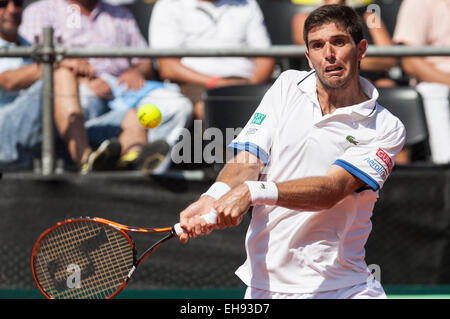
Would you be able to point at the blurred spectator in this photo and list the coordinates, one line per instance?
(125, 2)
(20, 91)
(427, 23)
(210, 24)
(104, 91)
(374, 69)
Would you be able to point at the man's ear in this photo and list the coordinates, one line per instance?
(309, 60)
(362, 49)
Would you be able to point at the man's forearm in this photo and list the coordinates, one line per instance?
(311, 193)
(263, 70)
(425, 72)
(22, 78)
(174, 70)
(244, 167)
(320, 192)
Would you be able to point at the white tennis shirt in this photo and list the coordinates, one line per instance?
(303, 251)
(203, 24)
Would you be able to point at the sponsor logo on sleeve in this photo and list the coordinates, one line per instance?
(375, 165)
(251, 130)
(381, 154)
(258, 118)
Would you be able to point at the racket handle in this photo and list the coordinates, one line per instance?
(210, 218)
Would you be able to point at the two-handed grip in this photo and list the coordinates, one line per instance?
(210, 218)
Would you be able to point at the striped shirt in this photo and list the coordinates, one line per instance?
(106, 26)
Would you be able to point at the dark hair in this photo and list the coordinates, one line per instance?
(341, 15)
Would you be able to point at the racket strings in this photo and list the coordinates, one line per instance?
(103, 255)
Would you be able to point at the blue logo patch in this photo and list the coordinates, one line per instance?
(376, 166)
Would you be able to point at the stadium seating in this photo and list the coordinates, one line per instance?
(142, 11)
(406, 103)
(278, 19)
(232, 106)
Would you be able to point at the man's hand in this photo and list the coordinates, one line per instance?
(232, 206)
(132, 78)
(81, 67)
(191, 221)
(99, 87)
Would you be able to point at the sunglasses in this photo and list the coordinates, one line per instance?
(17, 3)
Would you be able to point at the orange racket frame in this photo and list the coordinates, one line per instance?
(120, 227)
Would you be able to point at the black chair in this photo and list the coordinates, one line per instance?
(142, 11)
(230, 108)
(406, 103)
(278, 19)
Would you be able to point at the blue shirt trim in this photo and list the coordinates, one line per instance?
(358, 173)
(252, 148)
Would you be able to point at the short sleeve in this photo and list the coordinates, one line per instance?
(35, 17)
(373, 163)
(257, 34)
(164, 29)
(257, 135)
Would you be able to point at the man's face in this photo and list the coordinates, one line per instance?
(10, 16)
(334, 55)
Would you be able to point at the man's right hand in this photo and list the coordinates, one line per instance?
(191, 221)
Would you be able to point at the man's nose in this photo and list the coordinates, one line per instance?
(329, 52)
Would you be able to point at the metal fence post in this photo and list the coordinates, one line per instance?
(48, 141)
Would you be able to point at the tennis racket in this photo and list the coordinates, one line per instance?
(91, 258)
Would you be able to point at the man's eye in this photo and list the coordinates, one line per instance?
(339, 42)
(316, 45)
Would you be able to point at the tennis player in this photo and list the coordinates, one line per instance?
(310, 161)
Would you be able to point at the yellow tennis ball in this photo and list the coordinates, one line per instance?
(149, 116)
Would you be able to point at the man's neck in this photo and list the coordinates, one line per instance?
(331, 99)
(13, 37)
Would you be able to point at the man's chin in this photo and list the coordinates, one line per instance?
(334, 83)
(10, 28)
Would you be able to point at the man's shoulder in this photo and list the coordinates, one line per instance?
(387, 121)
(42, 4)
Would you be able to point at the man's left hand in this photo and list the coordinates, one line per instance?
(232, 206)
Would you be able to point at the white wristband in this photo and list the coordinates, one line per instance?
(217, 190)
(263, 192)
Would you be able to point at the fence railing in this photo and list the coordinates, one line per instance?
(50, 51)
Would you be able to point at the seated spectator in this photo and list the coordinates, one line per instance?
(20, 93)
(373, 68)
(209, 24)
(427, 23)
(92, 95)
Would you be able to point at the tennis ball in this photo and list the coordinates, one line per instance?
(149, 116)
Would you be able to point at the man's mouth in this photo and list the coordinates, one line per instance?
(333, 69)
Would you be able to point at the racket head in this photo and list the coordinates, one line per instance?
(82, 259)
